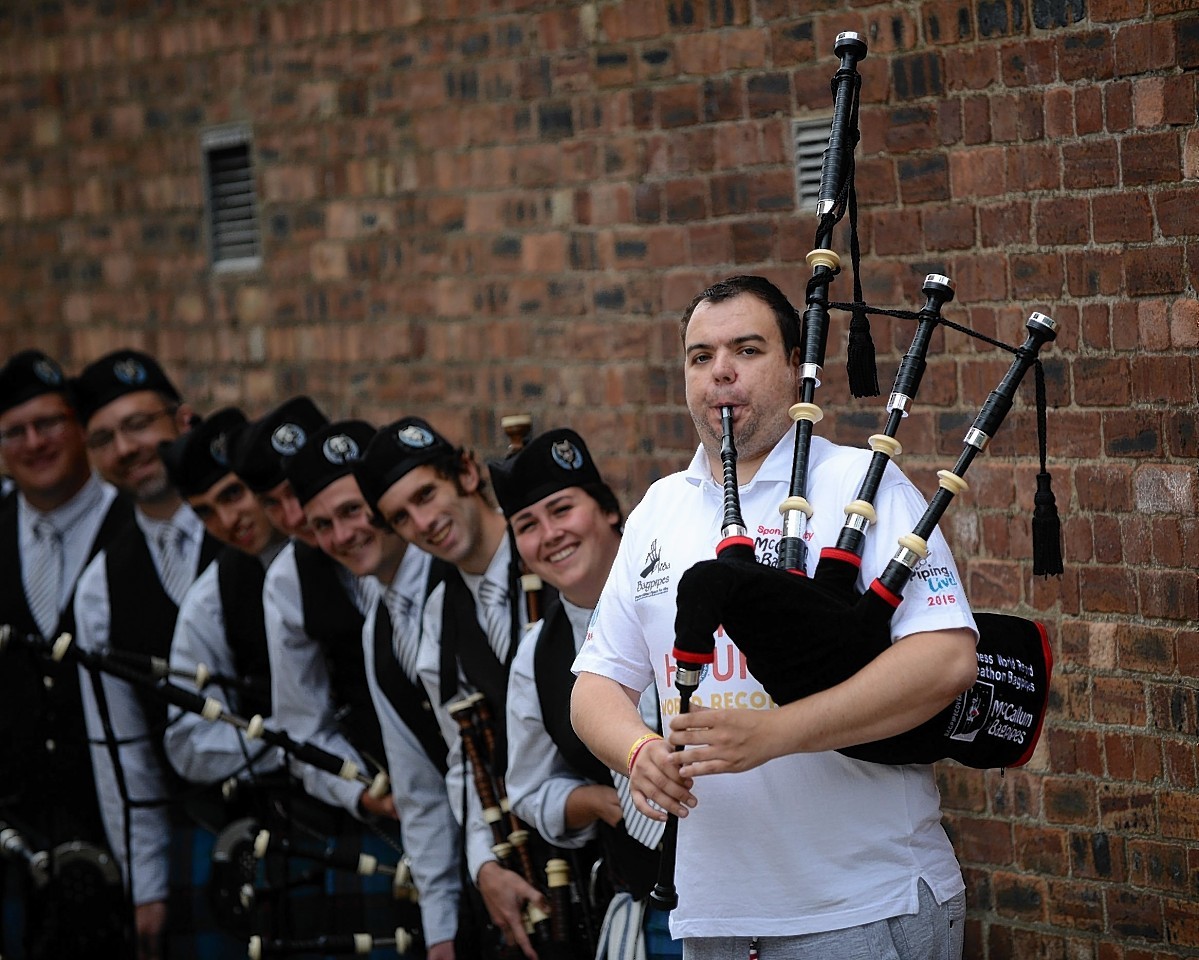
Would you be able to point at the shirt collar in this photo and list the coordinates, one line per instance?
(775, 468)
(89, 499)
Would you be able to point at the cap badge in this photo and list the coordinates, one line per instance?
(567, 455)
(288, 439)
(129, 371)
(415, 436)
(340, 449)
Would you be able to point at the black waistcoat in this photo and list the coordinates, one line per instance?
(408, 698)
(240, 578)
(634, 867)
(46, 782)
(141, 614)
(463, 641)
(332, 620)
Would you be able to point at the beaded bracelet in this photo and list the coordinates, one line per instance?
(636, 749)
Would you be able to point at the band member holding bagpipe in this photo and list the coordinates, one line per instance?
(567, 526)
(343, 524)
(220, 622)
(58, 518)
(432, 494)
(127, 601)
(855, 853)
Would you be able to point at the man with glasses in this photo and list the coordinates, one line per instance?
(127, 601)
(59, 516)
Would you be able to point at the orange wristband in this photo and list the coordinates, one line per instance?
(636, 749)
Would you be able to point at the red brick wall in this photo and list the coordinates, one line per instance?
(473, 208)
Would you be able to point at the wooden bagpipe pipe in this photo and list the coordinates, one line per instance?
(570, 924)
(210, 708)
(801, 635)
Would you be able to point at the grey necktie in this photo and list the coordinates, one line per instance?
(172, 564)
(404, 633)
(44, 582)
(497, 617)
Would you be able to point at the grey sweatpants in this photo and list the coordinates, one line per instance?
(935, 933)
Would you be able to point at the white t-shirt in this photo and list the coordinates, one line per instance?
(807, 842)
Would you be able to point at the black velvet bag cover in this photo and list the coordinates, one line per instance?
(802, 635)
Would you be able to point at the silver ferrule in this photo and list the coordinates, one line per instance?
(939, 278)
(824, 206)
(977, 439)
(908, 557)
(687, 676)
(810, 371)
(899, 401)
(733, 530)
(855, 521)
(794, 522)
(1042, 320)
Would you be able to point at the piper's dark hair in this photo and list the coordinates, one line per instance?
(451, 465)
(602, 494)
(785, 315)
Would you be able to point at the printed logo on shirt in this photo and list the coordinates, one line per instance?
(937, 579)
(649, 585)
(288, 439)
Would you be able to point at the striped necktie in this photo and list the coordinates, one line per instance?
(172, 564)
(44, 582)
(404, 633)
(497, 617)
(638, 826)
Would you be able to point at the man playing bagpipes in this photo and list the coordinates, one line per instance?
(798, 849)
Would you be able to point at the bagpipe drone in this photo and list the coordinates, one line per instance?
(801, 635)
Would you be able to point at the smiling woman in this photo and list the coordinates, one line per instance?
(566, 524)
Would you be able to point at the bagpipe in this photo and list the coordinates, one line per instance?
(210, 708)
(78, 888)
(238, 890)
(801, 635)
(569, 929)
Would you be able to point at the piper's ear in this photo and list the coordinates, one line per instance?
(185, 417)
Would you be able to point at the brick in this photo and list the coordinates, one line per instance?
(1027, 63)
(977, 172)
(1004, 224)
(1078, 906)
(1101, 381)
(1020, 896)
(1122, 218)
(1150, 158)
(1092, 273)
(1134, 914)
(1143, 48)
(1097, 856)
(1062, 222)
(1154, 270)
(1069, 801)
(1132, 433)
(1176, 210)
(1117, 106)
(1085, 55)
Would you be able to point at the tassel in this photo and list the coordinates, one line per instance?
(1046, 531)
(859, 356)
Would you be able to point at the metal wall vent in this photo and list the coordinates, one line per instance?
(234, 236)
(811, 139)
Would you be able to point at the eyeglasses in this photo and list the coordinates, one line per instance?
(132, 426)
(44, 427)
